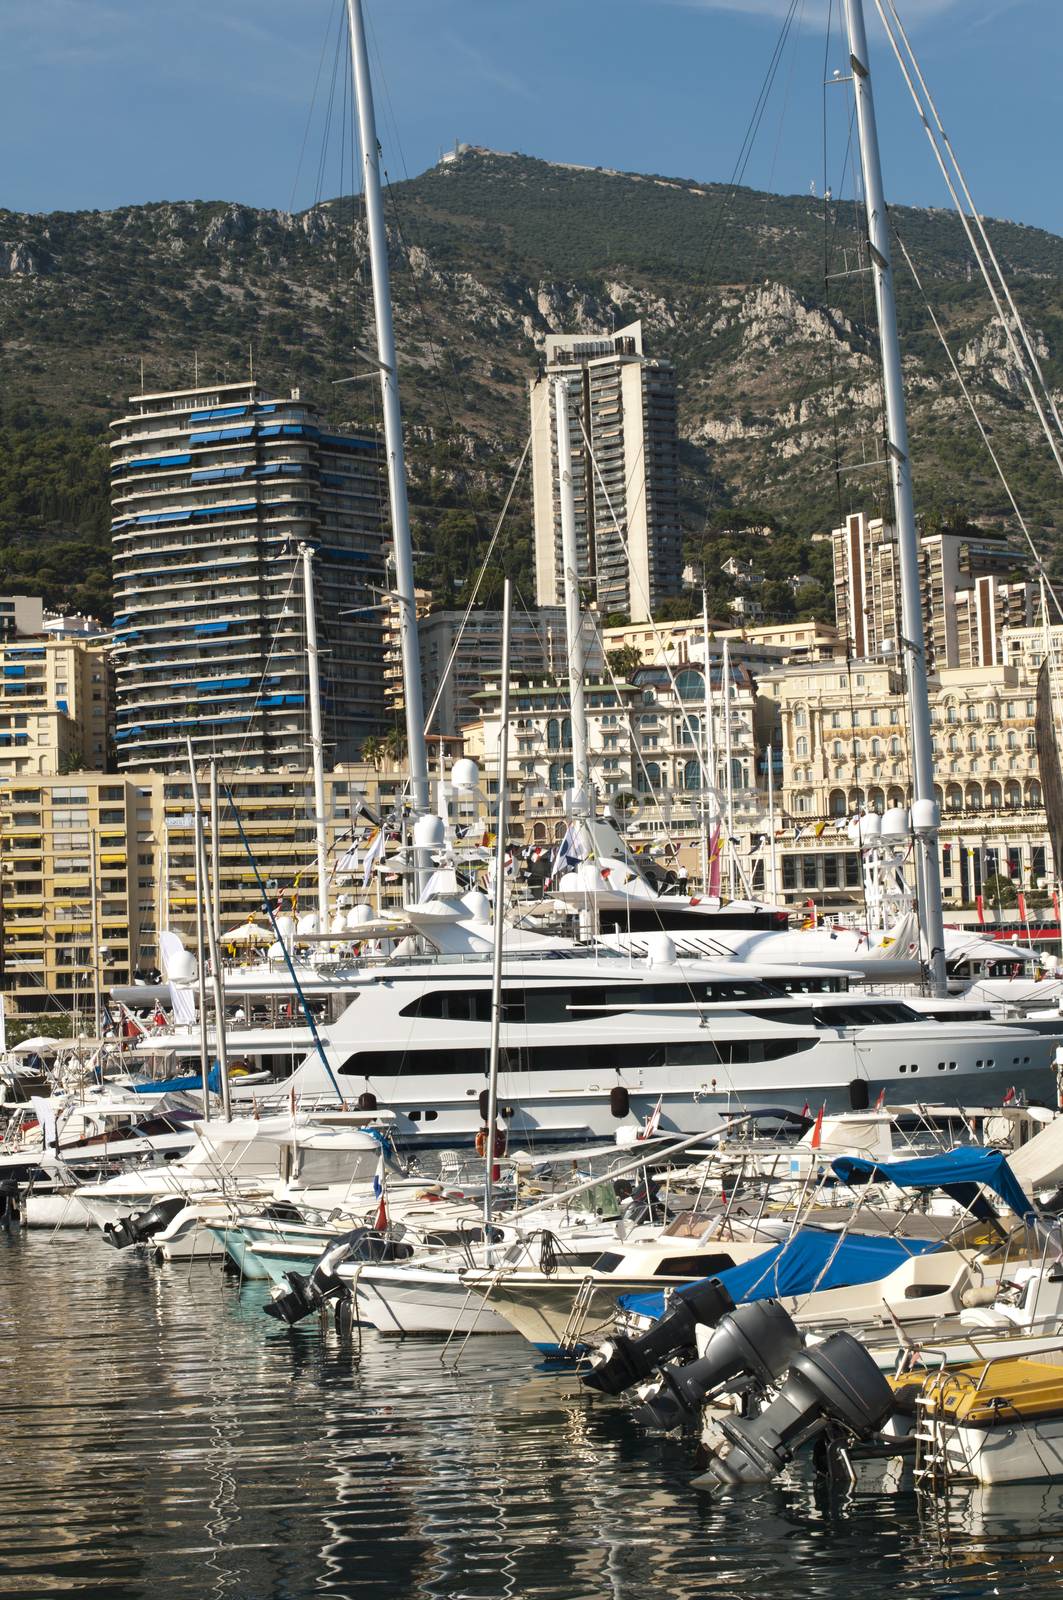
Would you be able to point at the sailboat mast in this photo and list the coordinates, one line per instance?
(730, 790)
(925, 812)
(502, 825)
(581, 777)
(416, 744)
(317, 743)
(709, 805)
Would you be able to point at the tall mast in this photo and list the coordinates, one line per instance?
(416, 744)
(502, 824)
(201, 965)
(925, 813)
(577, 663)
(773, 864)
(217, 977)
(317, 743)
(730, 789)
(709, 806)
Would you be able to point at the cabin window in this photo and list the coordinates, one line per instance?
(701, 1266)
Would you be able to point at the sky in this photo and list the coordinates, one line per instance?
(114, 102)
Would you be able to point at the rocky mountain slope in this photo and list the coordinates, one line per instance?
(759, 299)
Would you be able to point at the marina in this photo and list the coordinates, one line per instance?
(505, 1179)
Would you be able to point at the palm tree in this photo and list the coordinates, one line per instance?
(372, 750)
(394, 745)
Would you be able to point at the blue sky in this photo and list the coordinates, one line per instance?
(110, 102)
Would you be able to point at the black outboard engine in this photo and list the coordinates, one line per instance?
(752, 1346)
(139, 1226)
(306, 1293)
(833, 1385)
(622, 1361)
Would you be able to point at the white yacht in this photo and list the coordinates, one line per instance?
(591, 1040)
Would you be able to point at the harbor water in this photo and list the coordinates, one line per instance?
(159, 1435)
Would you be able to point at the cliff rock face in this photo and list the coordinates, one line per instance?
(774, 346)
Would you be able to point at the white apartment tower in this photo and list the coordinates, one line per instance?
(213, 491)
(625, 467)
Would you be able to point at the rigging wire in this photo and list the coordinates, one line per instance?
(1030, 368)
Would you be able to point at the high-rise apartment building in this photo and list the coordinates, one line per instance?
(968, 587)
(214, 489)
(625, 468)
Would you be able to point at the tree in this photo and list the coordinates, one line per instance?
(372, 750)
(999, 890)
(625, 660)
(394, 745)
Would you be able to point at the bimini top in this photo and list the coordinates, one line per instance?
(811, 1259)
(958, 1172)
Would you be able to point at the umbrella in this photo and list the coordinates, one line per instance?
(248, 933)
(41, 1045)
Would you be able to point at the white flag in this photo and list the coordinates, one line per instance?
(373, 855)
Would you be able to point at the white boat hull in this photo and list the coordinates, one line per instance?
(403, 1300)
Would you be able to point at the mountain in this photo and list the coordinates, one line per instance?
(759, 300)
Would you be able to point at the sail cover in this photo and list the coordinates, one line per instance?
(811, 1259)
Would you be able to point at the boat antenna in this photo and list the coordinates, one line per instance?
(925, 811)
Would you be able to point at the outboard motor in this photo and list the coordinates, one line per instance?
(835, 1384)
(752, 1346)
(306, 1293)
(139, 1226)
(622, 1360)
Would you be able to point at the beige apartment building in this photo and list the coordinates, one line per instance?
(646, 748)
(77, 875)
(845, 748)
(54, 705)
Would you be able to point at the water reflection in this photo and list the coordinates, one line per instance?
(156, 1428)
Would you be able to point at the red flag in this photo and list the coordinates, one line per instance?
(380, 1222)
(881, 1101)
(817, 1131)
(1055, 907)
(980, 903)
(806, 1110)
(1010, 1097)
(1022, 907)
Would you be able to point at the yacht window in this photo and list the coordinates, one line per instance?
(692, 1266)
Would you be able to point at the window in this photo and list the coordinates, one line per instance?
(802, 746)
(800, 718)
(874, 716)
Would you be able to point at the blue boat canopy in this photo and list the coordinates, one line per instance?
(965, 1167)
(811, 1259)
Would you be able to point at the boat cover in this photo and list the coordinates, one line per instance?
(810, 1259)
(194, 1081)
(958, 1172)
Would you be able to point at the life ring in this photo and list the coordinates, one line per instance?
(501, 1142)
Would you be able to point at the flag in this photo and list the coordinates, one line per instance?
(818, 829)
(1022, 907)
(980, 903)
(1011, 1097)
(881, 1101)
(712, 888)
(817, 1131)
(568, 853)
(380, 1221)
(806, 1110)
(372, 856)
